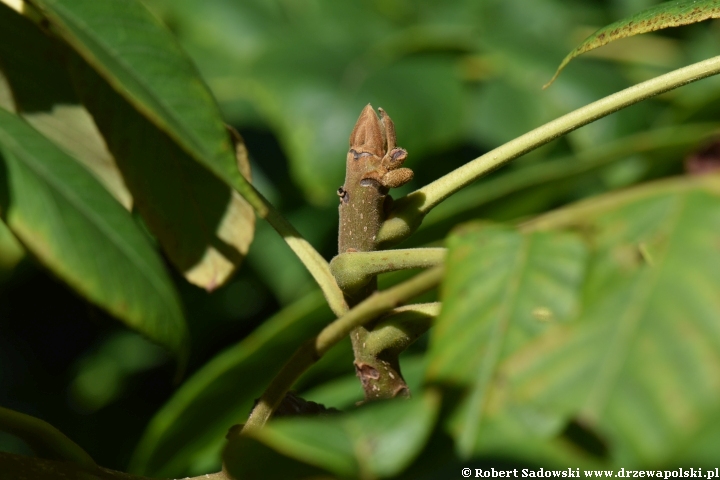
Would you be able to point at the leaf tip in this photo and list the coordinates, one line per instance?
(564, 63)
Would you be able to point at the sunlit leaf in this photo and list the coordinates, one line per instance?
(635, 366)
(40, 91)
(669, 14)
(76, 229)
(203, 225)
(502, 289)
(140, 59)
(640, 366)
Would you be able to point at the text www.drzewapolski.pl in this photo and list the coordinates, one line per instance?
(707, 474)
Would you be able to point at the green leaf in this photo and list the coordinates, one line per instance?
(44, 439)
(314, 119)
(247, 51)
(666, 15)
(11, 252)
(635, 368)
(247, 459)
(141, 60)
(103, 375)
(502, 289)
(40, 90)
(187, 435)
(203, 225)
(6, 100)
(377, 441)
(76, 229)
(640, 366)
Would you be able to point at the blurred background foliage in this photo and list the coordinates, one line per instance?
(458, 78)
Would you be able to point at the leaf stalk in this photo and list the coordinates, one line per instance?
(408, 212)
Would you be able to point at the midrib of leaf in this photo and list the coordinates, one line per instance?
(476, 402)
(619, 349)
(177, 123)
(130, 253)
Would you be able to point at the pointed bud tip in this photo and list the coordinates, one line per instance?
(368, 134)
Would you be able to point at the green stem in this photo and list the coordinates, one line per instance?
(44, 439)
(366, 311)
(313, 261)
(354, 270)
(408, 212)
(363, 202)
(554, 170)
(397, 330)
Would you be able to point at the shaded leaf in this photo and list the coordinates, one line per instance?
(42, 93)
(102, 376)
(6, 100)
(247, 458)
(502, 288)
(314, 120)
(203, 225)
(379, 440)
(187, 435)
(76, 229)
(277, 266)
(342, 56)
(44, 439)
(669, 14)
(11, 252)
(141, 60)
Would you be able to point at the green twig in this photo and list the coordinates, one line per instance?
(366, 311)
(44, 439)
(356, 269)
(395, 332)
(408, 212)
(579, 163)
(372, 167)
(313, 261)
